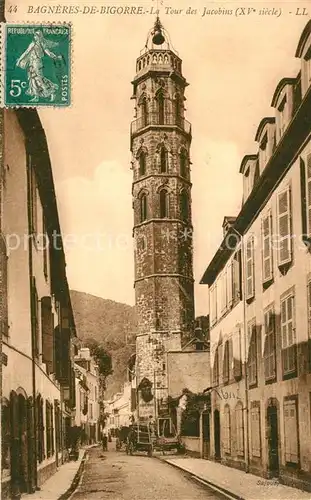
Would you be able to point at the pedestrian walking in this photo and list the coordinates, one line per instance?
(105, 441)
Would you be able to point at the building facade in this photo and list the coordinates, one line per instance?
(37, 324)
(87, 396)
(271, 320)
(160, 146)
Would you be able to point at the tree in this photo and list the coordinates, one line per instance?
(102, 358)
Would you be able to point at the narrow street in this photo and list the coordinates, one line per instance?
(115, 476)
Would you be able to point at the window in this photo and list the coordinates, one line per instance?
(239, 429)
(216, 368)
(144, 112)
(288, 334)
(163, 160)
(183, 162)
(252, 353)
(255, 431)
(248, 183)
(229, 287)
(142, 163)
(160, 102)
(47, 329)
(308, 194)
(291, 431)
(143, 207)
(226, 363)
(49, 429)
(236, 277)
(309, 321)
(224, 292)
(267, 262)
(264, 151)
(213, 304)
(269, 348)
(282, 118)
(177, 110)
(184, 206)
(33, 199)
(164, 204)
(227, 430)
(284, 227)
(4, 321)
(45, 246)
(35, 316)
(40, 429)
(250, 271)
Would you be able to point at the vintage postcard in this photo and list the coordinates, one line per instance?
(155, 249)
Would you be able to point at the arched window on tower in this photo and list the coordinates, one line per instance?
(183, 159)
(142, 163)
(144, 112)
(163, 160)
(143, 207)
(184, 205)
(160, 102)
(164, 204)
(177, 110)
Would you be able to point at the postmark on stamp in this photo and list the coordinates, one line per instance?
(37, 65)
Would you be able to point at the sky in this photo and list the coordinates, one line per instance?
(233, 64)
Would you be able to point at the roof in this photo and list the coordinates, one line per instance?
(302, 40)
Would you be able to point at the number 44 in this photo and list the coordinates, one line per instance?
(12, 8)
(16, 88)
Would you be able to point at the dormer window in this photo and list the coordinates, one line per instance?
(282, 116)
(248, 182)
(264, 151)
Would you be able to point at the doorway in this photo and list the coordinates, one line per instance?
(206, 435)
(217, 434)
(273, 440)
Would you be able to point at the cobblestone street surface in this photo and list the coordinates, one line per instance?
(116, 476)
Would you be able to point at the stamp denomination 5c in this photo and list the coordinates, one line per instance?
(36, 60)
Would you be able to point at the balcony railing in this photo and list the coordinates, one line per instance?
(168, 120)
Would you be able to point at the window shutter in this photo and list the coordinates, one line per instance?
(250, 285)
(291, 432)
(309, 308)
(224, 292)
(267, 270)
(308, 185)
(237, 360)
(229, 286)
(4, 328)
(284, 227)
(211, 304)
(47, 321)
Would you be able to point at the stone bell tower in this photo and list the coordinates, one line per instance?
(160, 146)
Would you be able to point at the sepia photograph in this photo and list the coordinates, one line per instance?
(155, 249)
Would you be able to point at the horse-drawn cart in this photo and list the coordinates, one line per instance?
(139, 439)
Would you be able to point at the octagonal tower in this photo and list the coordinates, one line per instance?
(160, 146)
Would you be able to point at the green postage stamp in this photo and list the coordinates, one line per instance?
(36, 62)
